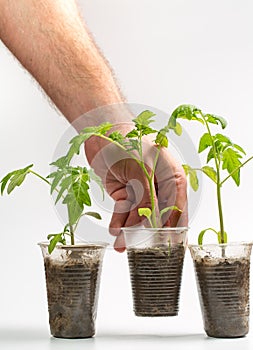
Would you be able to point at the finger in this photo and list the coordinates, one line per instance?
(142, 194)
(119, 244)
(172, 190)
(133, 219)
(119, 216)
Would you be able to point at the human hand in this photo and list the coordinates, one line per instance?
(126, 183)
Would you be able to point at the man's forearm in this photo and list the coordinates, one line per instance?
(51, 41)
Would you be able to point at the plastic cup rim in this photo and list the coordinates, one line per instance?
(209, 245)
(78, 245)
(153, 229)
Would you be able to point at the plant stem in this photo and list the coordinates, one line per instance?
(41, 177)
(218, 184)
(72, 236)
(235, 170)
(143, 167)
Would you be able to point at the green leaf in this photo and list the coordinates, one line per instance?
(60, 163)
(210, 172)
(17, 178)
(144, 119)
(239, 148)
(5, 180)
(223, 139)
(189, 112)
(194, 182)
(145, 212)
(161, 138)
(78, 193)
(116, 136)
(230, 162)
(133, 133)
(133, 145)
(215, 119)
(146, 130)
(94, 215)
(210, 155)
(56, 181)
(178, 129)
(204, 142)
(75, 208)
(165, 210)
(189, 171)
(80, 190)
(55, 238)
(64, 186)
(202, 233)
(186, 169)
(103, 128)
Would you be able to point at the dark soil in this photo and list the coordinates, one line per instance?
(224, 294)
(156, 279)
(72, 296)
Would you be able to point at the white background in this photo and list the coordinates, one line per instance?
(164, 53)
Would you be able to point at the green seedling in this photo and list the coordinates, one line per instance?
(132, 143)
(226, 156)
(72, 187)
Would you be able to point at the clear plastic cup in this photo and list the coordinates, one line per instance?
(155, 258)
(73, 278)
(222, 274)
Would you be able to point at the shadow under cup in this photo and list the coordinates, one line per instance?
(155, 258)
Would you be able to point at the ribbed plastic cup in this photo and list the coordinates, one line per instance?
(222, 274)
(155, 258)
(73, 278)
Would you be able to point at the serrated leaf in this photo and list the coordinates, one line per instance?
(75, 209)
(223, 139)
(4, 181)
(215, 119)
(94, 215)
(133, 133)
(117, 137)
(64, 186)
(56, 181)
(146, 130)
(77, 141)
(239, 148)
(60, 163)
(133, 145)
(189, 112)
(80, 191)
(230, 161)
(161, 138)
(210, 172)
(104, 128)
(204, 142)
(17, 178)
(144, 119)
(55, 238)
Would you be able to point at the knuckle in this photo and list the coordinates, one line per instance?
(181, 180)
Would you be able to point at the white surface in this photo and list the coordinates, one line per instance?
(164, 53)
(38, 339)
